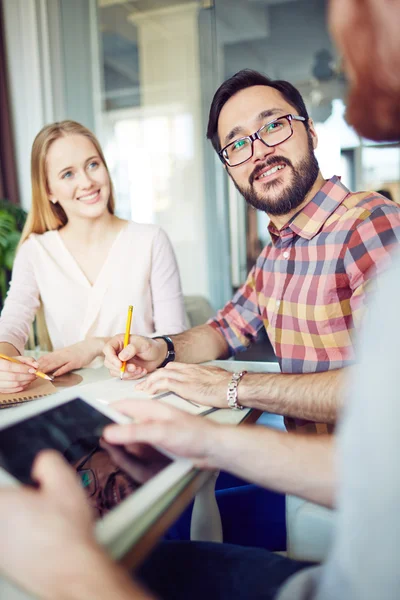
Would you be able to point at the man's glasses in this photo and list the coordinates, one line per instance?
(271, 134)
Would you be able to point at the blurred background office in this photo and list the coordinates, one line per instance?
(141, 74)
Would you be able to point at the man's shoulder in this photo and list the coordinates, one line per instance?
(363, 207)
(368, 202)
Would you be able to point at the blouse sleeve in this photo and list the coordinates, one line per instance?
(168, 307)
(22, 300)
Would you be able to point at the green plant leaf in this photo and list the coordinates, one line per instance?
(7, 226)
(16, 211)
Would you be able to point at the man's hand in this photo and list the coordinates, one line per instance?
(47, 539)
(16, 377)
(270, 458)
(205, 385)
(72, 357)
(142, 355)
(168, 428)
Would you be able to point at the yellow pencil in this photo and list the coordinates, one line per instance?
(126, 338)
(37, 373)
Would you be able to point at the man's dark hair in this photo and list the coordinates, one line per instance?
(240, 81)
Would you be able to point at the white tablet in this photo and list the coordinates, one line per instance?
(121, 487)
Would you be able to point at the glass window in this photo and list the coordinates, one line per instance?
(381, 169)
(152, 123)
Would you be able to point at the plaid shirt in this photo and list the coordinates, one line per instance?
(307, 288)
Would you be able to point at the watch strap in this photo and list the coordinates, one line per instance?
(170, 356)
(232, 392)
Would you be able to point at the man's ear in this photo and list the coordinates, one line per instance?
(313, 133)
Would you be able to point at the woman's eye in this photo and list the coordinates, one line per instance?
(93, 164)
(67, 175)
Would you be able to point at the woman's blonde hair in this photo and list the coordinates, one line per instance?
(44, 215)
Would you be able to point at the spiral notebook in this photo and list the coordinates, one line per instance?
(37, 389)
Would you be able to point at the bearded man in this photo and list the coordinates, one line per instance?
(308, 286)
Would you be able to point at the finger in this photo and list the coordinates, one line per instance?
(27, 360)
(133, 350)
(112, 349)
(140, 348)
(142, 409)
(162, 378)
(133, 432)
(11, 390)
(51, 362)
(55, 476)
(17, 378)
(169, 384)
(135, 370)
(22, 366)
(14, 386)
(64, 369)
(167, 435)
(127, 375)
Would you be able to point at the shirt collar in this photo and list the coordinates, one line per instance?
(310, 220)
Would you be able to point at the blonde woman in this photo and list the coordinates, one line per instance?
(83, 263)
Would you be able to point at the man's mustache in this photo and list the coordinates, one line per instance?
(271, 162)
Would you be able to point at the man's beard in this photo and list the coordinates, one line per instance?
(304, 176)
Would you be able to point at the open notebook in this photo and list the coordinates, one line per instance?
(37, 389)
(110, 390)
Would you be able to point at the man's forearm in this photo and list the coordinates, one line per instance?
(312, 396)
(289, 463)
(200, 344)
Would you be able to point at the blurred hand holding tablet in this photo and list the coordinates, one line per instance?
(110, 475)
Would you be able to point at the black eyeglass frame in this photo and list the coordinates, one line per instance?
(256, 136)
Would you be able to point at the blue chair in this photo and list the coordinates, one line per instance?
(250, 515)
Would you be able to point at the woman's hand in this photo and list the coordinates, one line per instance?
(72, 357)
(14, 377)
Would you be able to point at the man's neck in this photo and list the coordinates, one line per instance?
(281, 220)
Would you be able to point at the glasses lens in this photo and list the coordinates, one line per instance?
(88, 480)
(276, 132)
(238, 151)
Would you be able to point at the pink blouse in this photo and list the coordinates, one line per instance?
(140, 269)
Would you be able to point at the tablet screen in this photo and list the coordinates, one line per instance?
(108, 473)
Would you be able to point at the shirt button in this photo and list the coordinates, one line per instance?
(286, 255)
(278, 303)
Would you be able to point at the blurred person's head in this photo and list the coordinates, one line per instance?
(366, 33)
(263, 134)
(69, 178)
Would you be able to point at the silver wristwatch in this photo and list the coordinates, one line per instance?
(232, 393)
